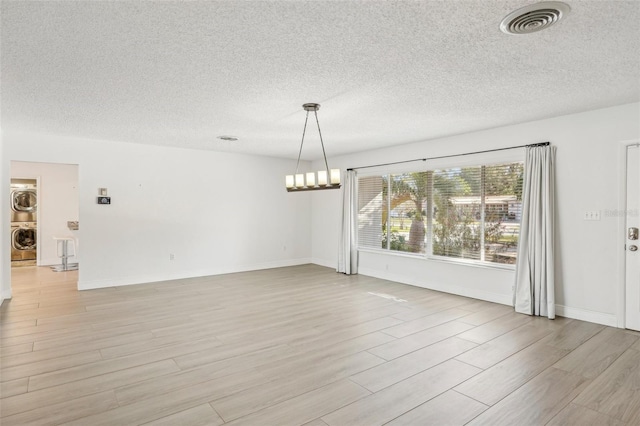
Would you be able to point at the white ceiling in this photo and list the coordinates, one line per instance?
(385, 72)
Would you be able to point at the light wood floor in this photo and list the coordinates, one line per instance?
(301, 345)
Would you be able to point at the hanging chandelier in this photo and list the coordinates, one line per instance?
(324, 179)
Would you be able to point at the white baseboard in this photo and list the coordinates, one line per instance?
(4, 295)
(585, 315)
(55, 261)
(149, 278)
(561, 310)
(610, 320)
(504, 299)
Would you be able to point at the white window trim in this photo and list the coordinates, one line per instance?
(472, 160)
(443, 259)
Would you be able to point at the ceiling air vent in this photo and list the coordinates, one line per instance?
(534, 17)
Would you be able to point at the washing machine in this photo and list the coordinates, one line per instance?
(24, 237)
(24, 200)
(24, 216)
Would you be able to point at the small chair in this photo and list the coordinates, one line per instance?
(62, 251)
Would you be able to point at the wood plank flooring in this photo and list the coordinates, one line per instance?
(300, 346)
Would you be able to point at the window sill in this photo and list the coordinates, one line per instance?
(452, 260)
(472, 263)
(393, 253)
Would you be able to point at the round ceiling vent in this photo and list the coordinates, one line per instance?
(534, 17)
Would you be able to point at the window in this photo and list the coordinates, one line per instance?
(395, 222)
(466, 212)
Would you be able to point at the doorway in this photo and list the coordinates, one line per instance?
(55, 215)
(632, 239)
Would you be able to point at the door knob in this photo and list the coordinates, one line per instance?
(633, 248)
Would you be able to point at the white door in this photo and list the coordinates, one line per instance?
(632, 252)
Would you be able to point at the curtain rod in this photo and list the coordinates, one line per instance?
(452, 155)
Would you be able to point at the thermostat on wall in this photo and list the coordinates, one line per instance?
(104, 200)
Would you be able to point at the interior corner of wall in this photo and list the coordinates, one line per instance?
(323, 262)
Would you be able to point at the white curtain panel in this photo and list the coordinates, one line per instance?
(348, 248)
(534, 289)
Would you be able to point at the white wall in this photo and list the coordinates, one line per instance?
(588, 178)
(216, 212)
(5, 217)
(224, 212)
(57, 204)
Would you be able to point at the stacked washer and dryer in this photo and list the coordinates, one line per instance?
(24, 222)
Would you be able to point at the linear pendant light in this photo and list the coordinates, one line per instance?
(323, 179)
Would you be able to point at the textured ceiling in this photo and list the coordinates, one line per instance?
(385, 72)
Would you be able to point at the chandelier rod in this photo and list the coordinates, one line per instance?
(304, 130)
(321, 142)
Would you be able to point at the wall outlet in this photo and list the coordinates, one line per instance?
(592, 215)
(171, 256)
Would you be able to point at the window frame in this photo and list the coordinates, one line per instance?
(468, 161)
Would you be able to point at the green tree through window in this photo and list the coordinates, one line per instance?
(471, 213)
